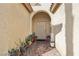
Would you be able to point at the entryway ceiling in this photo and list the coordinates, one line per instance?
(36, 6)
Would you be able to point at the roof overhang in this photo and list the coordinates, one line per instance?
(28, 7)
(54, 7)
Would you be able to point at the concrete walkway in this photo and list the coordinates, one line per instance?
(52, 52)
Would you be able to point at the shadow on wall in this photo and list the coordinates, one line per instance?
(56, 29)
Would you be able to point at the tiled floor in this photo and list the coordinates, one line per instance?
(52, 52)
(41, 48)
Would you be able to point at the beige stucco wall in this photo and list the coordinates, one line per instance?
(75, 8)
(59, 29)
(14, 25)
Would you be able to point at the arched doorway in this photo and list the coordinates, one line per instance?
(41, 25)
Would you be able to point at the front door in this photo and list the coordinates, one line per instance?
(42, 29)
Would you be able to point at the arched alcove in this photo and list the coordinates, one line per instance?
(41, 25)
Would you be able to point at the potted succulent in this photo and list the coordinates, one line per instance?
(12, 52)
(28, 40)
(23, 46)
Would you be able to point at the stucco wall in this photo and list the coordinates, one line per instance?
(75, 9)
(14, 25)
(59, 29)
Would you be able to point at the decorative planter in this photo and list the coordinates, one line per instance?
(48, 38)
(34, 38)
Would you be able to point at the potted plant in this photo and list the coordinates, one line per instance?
(34, 37)
(23, 48)
(48, 38)
(28, 40)
(18, 53)
(12, 52)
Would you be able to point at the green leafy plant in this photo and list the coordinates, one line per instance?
(12, 52)
(23, 46)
